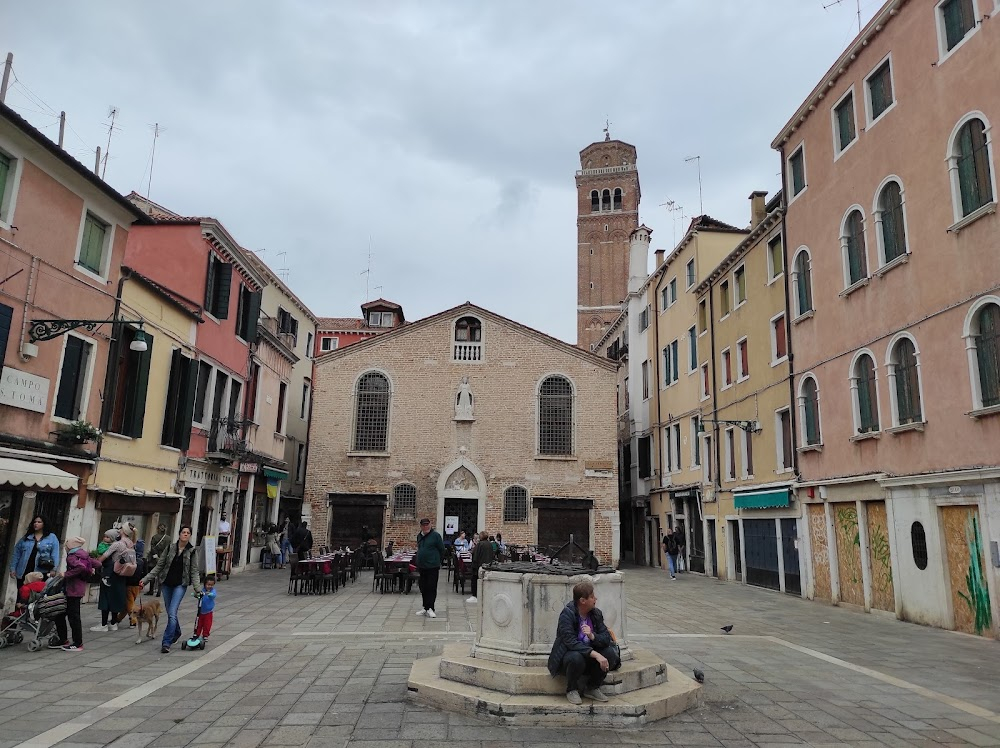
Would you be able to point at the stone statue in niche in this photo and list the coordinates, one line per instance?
(463, 403)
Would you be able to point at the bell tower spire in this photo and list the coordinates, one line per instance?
(607, 187)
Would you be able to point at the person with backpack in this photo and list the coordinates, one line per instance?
(111, 600)
(302, 540)
(671, 548)
(79, 568)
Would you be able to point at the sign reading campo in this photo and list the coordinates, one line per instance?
(22, 390)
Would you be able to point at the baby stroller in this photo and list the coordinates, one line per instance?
(36, 618)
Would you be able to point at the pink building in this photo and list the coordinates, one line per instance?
(62, 238)
(892, 236)
(376, 317)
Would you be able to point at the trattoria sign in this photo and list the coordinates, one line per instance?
(19, 389)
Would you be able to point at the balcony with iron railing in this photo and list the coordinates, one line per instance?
(227, 439)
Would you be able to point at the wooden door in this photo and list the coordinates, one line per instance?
(350, 513)
(963, 540)
(845, 522)
(556, 525)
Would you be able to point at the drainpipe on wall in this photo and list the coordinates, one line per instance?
(717, 480)
(792, 407)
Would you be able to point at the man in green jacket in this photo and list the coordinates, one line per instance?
(430, 553)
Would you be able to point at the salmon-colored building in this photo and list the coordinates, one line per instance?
(377, 317)
(892, 236)
(62, 238)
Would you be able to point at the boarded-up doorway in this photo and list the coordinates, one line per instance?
(963, 540)
(845, 523)
(879, 559)
(820, 552)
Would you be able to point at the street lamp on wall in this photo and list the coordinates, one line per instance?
(49, 329)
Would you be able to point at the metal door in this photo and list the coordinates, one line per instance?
(347, 519)
(790, 555)
(761, 538)
(467, 511)
(556, 525)
(715, 547)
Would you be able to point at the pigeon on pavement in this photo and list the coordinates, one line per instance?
(728, 628)
(699, 675)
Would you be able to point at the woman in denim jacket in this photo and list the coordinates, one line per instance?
(38, 550)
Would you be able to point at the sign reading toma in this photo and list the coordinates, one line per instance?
(19, 389)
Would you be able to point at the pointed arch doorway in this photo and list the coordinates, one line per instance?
(462, 494)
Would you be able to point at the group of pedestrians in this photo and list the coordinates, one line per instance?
(121, 569)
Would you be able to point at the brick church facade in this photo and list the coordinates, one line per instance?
(470, 415)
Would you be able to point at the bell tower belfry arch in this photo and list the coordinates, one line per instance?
(607, 190)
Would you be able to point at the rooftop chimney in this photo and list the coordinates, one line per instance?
(757, 209)
(659, 256)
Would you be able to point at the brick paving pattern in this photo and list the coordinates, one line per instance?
(332, 670)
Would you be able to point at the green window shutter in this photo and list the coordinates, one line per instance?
(253, 315)
(135, 407)
(69, 379)
(968, 182)
(210, 285)
(988, 355)
(170, 406)
(855, 248)
(92, 244)
(845, 122)
(185, 411)
(223, 286)
(6, 315)
(798, 173)
(5, 164)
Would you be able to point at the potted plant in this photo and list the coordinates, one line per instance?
(79, 432)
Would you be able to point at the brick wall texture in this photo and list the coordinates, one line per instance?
(424, 438)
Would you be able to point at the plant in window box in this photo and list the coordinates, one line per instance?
(78, 432)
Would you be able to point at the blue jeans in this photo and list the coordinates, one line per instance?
(172, 598)
(286, 549)
(672, 563)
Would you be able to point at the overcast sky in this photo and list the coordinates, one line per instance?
(444, 133)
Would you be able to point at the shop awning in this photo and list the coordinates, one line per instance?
(763, 499)
(24, 474)
(275, 473)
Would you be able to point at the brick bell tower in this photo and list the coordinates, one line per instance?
(607, 192)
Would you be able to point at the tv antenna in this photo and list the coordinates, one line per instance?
(673, 207)
(113, 114)
(857, 4)
(283, 271)
(701, 204)
(367, 272)
(157, 129)
(607, 129)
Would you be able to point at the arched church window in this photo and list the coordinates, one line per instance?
(595, 201)
(618, 198)
(606, 200)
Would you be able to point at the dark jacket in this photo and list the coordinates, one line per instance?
(302, 539)
(670, 544)
(567, 633)
(158, 546)
(430, 550)
(483, 554)
(190, 576)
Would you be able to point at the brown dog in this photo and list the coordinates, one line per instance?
(148, 612)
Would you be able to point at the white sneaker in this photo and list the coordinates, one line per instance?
(99, 628)
(473, 599)
(421, 612)
(431, 614)
(112, 627)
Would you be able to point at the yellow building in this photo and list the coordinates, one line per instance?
(675, 498)
(750, 527)
(136, 477)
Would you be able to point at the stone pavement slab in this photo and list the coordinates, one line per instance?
(331, 671)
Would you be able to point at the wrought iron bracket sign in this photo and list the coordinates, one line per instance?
(49, 329)
(748, 426)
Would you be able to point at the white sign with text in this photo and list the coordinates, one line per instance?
(19, 389)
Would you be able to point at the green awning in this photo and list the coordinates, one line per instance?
(763, 499)
(270, 472)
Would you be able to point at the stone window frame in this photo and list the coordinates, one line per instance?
(515, 516)
(356, 404)
(538, 417)
(969, 334)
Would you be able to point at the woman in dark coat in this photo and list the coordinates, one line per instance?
(111, 601)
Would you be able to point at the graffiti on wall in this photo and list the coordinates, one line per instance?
(849, 553)
(820, 552)
(966, 572)
(879, 558)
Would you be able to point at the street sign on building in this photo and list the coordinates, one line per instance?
(19, 389)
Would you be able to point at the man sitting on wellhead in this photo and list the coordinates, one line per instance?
(583, 648)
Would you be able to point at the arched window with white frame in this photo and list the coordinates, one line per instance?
(982, 344)
(890, 221)
(853, 247)
(970, 165)
(371, 415)
(809, 411)
(467, 342)
(555, 416)
(864, 393)
(903, 369)
(802, 282)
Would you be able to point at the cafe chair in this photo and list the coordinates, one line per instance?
(297, 578)
(382, 579)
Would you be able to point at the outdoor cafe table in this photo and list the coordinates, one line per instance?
(321, 565)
